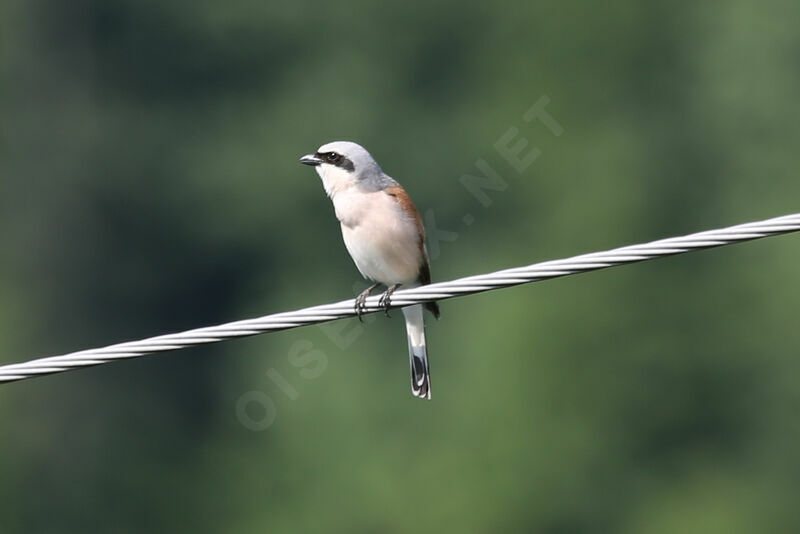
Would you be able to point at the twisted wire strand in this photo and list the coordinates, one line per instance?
(404, 297)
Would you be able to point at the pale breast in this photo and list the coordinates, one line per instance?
(382, 240)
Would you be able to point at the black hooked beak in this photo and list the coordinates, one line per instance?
(311, 159)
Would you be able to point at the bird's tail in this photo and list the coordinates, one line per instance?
(417, 352)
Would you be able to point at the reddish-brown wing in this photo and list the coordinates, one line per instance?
(407, 205)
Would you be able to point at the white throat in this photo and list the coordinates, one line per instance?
(334, 179)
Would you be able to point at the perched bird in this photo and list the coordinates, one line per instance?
(383, 233)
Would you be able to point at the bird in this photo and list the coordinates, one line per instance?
(383, 232)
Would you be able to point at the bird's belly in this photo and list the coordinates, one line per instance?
(385, 249)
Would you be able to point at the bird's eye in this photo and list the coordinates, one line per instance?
(333, 157)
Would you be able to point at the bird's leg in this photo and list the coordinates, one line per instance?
(386, 298)
(361, 300)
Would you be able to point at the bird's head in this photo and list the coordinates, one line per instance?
(344, 164)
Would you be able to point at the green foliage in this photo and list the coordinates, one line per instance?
(149, 183)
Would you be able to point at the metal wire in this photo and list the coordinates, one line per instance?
(403, 297)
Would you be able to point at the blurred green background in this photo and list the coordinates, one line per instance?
(149, 183)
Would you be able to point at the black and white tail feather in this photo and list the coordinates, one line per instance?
(417, 349)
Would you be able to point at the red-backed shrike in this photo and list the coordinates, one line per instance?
(383, 233)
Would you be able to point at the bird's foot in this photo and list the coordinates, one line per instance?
(386, 298)
(361, 301)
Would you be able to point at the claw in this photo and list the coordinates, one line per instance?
(386, 298)
(361, 301)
